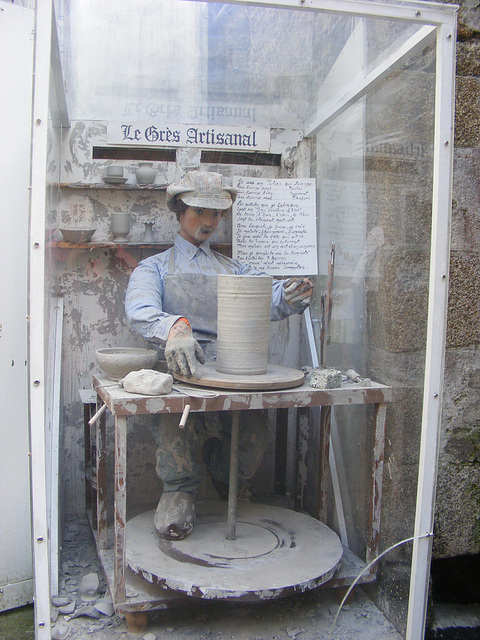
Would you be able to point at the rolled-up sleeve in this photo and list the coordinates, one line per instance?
(143, 302)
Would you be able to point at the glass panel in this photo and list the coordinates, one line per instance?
(214, 63)
(374, 172)
(192, 62)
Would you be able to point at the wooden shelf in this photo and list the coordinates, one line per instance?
(226, 249)
(104, 185)
(60, 244)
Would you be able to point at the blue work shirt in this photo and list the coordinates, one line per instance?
(144, 299)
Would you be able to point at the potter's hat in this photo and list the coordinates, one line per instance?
(203, 189)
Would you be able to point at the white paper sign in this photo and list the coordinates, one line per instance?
(274, 225)
(188, 135)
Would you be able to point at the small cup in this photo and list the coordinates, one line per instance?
(113, 171)
(120, 225)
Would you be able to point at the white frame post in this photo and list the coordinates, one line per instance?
(37, 373)
(436, 331)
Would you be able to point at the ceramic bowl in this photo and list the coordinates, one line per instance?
(118, 361)
(77, 235)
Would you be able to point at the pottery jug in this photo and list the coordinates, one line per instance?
(145, 173)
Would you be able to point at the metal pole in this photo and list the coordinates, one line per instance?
(233, 480)
(36, 314)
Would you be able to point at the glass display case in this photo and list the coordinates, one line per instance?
(354, 98)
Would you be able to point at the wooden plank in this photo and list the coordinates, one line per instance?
(120, 506)
(87, 455)
(302, 457)
(121, 402)
(122, 187)
(101, 480)
(225, 249)
(324, 464)
(373, 540)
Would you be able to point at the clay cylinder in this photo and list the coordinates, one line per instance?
(243, 324)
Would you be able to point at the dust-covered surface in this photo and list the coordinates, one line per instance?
(309, 616)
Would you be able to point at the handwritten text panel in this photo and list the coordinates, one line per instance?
(274, 225)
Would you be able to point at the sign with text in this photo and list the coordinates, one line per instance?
(274, 225)
(189, 135)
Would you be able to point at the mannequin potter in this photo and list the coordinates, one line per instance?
(172, 301)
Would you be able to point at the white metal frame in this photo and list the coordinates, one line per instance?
(37, 373)
(433, 13)
(436, 328)
(442, 17)
(53, 412)
(357, 89)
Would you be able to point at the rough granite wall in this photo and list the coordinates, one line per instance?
(457, 523)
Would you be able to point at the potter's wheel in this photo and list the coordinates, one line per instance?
(276, 378)
(276, 552)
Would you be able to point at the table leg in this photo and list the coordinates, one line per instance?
(87, 414)
(377, 479)
(120, 507)
(101, 481)
(233, 479)
(324, 464)
(303, 418)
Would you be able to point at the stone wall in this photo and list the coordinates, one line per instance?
(457, 523)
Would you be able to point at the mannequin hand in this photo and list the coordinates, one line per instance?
(297, 291)
(182, 350)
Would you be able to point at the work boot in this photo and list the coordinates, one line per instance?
(175, 515)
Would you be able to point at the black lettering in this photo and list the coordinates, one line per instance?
(192, 135)
(152, 134)
(129, 133)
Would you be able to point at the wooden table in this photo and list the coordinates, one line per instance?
(123, 405)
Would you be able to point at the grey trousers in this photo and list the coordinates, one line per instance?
(180, 451)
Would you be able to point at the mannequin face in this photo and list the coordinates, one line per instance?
(197, 224)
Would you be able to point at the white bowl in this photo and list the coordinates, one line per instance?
(78, 235)
(118, 361)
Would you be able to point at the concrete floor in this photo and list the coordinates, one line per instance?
(308, 616)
